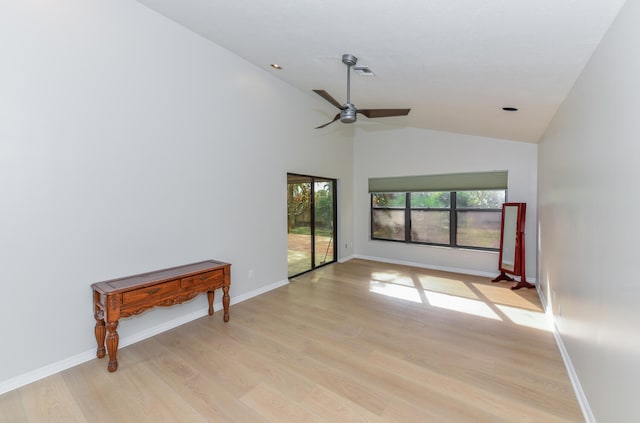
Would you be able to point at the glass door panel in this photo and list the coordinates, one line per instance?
(311, 217)
(299, 224)
(323, 221)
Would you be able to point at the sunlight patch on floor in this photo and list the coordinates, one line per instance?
(460, 304)
(497, 294)
(401, 292)
(446, 286)
(522, 317)
(395, 277)
(455, 295)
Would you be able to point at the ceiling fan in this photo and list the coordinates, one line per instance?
(348, 112)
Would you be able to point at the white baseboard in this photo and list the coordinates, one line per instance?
(435, 267)
(573, 376)
(345, 259)
(37, 374)
(428, 266)
(51, 369)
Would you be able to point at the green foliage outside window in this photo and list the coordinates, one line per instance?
(480, 199)
(435, 200)
(389, 199)
(458, 219)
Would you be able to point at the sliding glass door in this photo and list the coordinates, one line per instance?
(324, 221)
(311, 217)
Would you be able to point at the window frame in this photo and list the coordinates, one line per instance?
(453, 210)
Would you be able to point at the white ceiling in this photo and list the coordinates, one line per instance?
(455, 63)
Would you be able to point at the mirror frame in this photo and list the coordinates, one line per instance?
(512, 245)
(511, 231)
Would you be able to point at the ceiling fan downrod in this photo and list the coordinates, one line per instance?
(349, 114)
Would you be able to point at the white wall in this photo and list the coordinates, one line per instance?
(129, 144)
(589, 168)
(409, 151)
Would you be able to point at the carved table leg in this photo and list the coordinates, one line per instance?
(210, 295)
(112, 345)
(100, 330)
(225, 302)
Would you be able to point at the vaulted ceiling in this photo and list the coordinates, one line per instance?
(455, 63)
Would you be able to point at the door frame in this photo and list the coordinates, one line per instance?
(334, 217)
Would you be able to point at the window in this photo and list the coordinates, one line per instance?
(388, 212)
(469, 219)
(430, 217)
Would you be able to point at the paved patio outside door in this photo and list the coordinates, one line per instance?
(299, 257)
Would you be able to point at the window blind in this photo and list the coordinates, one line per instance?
(447, 182)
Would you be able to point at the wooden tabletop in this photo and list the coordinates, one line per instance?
(122, 284)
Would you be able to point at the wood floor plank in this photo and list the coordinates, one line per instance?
(277, 375)
(335, 408)
(275, 407)
(50, 400)
(11, 408)
(204, 392)
(366, 396)
(359, 341)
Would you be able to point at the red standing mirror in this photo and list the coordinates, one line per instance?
(512, 252)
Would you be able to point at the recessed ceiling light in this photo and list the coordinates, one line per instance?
(510, 109)
(276, 66)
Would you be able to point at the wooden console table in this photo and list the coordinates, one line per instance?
(132, 295)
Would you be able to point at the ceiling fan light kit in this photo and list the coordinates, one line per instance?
(349, 112)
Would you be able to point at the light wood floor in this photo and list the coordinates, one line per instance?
(335, 345)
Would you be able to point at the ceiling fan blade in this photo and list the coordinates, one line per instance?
(378, 113)
(328, 123)
(327, 96)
